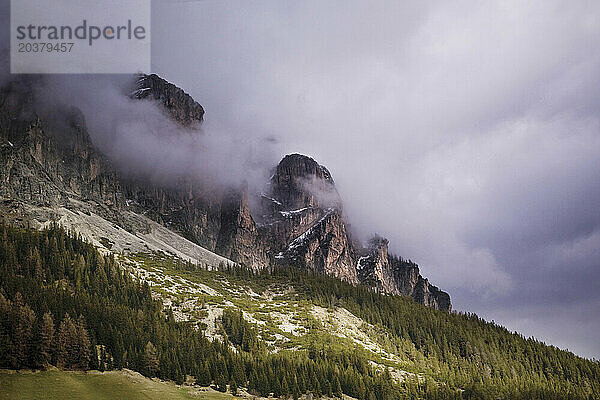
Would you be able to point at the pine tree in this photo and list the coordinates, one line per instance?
(337, 387)
(151, 364)
(36, 264)
(203, 375)
(233, 388)
(94, 359)
(6, 343)
(23, 334)
(45, 341)
(82, 360)
(66, 346)
(284, 388)
(221, 383)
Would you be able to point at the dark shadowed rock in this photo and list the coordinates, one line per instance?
(239, 237)
(179, 105)
(302, 219)
(299, 182)
(390, 274)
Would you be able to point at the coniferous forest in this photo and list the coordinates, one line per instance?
(63, 303)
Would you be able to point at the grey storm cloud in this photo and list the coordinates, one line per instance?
(466, 132)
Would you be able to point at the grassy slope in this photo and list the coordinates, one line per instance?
(267, 302)
(97, 386)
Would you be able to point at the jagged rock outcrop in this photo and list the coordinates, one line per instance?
(34, 168)
(303, 224)
(178, 104)
(239, 237)
(300, 182)
(324, 248)
(54, 162)
(302, 219)
(394, 275)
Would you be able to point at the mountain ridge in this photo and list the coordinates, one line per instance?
(301, 221)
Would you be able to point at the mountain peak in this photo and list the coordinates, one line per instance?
(302, 166)
(299, 182)
(177, 103)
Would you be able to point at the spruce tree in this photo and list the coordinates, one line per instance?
(66, 346)
(45, 341)
(6, 343)
(337, 387)
(233, 388)
(82, 358)
(151, 364)
(23, 335)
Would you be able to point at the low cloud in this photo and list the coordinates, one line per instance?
(143, 141)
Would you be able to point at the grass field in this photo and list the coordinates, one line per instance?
(114, 385)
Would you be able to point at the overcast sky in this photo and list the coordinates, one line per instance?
(466, 132)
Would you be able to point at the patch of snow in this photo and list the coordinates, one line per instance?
(289, 214)
(360, 266)
(129, 202)
(264, 196)
(301, 240)
(140, 91)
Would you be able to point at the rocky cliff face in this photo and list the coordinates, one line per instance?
(394, 275)
(323, 247)
(36, 169)
(303, 224)
(54, 163)
(178, 104)
(301, 220)
(239, 238)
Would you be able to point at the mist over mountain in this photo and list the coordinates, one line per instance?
(153, 159)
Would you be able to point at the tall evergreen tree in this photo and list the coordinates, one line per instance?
(233, 388)
(83, 346)
(66, 343)
(45, 341)
(23, 342)
(151, 364)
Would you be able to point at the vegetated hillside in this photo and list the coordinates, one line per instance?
(283, 331)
